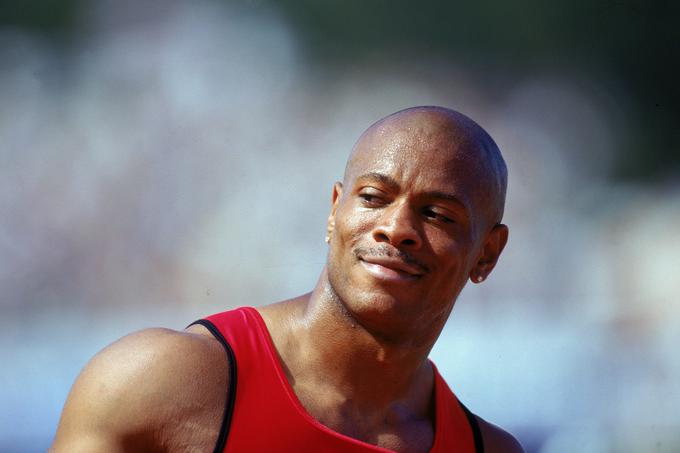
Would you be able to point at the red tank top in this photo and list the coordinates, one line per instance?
(264, 415)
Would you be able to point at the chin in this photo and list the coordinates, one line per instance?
(379, 312)
(376, 306)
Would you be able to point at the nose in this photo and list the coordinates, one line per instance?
(397, 226)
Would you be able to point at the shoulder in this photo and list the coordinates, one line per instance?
(497, 439)
(134, 388)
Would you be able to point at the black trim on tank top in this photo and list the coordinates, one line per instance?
(231, 394)
(476, 432)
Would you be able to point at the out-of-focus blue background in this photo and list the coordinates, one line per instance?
(160, 161)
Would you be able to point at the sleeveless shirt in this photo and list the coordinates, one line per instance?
(262, 413)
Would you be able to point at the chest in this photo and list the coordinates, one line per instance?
(398, 429)
(275, 410)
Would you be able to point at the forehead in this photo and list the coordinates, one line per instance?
(425, 152)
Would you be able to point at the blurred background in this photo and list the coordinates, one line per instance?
(164, 160)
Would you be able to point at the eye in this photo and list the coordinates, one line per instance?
(431, 213)
(371, 198)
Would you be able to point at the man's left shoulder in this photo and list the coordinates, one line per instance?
(496, 439)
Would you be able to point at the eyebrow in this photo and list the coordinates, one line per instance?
(394, 185)
(387, 180)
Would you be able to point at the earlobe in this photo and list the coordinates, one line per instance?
(494, 245)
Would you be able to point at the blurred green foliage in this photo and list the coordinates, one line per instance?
(631, 46)
(54, 17)
(634, 45)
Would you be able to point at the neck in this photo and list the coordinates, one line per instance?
(361, 365)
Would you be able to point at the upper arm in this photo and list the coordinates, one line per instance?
(496, 439)
(128, 394)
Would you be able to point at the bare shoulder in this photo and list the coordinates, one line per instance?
(132, 391)
(496, 439)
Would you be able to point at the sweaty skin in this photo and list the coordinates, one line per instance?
(417, 214)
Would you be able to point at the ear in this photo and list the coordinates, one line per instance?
(330, 225)
(493, 246)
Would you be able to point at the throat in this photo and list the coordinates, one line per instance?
(359, 388)
(321, 346)
(351, 382)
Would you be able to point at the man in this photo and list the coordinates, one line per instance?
(343, 368)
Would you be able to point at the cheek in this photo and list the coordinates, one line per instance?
(351, 225)
(455, 247)
(454, 263)
(346, 235)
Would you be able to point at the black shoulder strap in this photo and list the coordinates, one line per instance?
(231, 394)
(476, 433)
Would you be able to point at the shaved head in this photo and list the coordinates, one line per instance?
(424, 188)
(437, 130)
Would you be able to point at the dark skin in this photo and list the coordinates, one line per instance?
(416, 216)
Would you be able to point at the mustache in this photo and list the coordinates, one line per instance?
(362, 252)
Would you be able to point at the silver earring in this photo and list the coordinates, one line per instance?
(328, 239)
(479, 279)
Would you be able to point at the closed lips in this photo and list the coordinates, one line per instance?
(393, 264)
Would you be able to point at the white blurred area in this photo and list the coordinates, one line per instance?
(178, 161)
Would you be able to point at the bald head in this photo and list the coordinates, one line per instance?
(437, 132)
